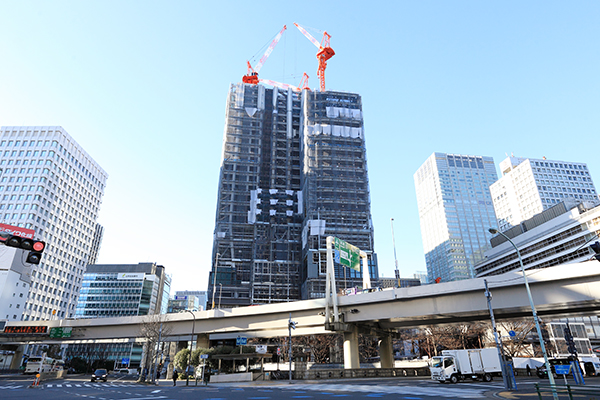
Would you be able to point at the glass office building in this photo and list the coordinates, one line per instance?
(455, 212)
(123, 290)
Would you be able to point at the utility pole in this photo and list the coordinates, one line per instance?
(508, 383)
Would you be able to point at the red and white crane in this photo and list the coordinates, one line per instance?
(325, 53)
(303, 84)
(252, 75)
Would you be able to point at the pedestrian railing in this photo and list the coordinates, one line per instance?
(546, 390)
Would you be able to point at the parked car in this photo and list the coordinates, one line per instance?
(541, 371)
(100, 375)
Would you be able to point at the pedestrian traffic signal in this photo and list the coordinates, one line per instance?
(596, 247)
(35, 247)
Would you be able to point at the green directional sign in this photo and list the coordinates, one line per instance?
(349, 255)
(60, 332)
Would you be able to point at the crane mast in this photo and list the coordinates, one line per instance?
(325, 53)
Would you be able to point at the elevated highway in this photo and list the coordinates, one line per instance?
(566, 290)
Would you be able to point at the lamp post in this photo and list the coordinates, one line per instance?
(187, 375)
(215, 281)
(535, 316)
(220, 293)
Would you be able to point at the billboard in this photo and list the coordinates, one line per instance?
(138, 276)
(17, 231)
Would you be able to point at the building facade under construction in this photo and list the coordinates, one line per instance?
(293, 172)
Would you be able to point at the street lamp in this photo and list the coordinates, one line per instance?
(535, 316)
(187, 375)
(215, 281)
(220, 293)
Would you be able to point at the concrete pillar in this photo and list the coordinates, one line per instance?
(386, 351)
(202, 341)
(17, 359)
(351, 359)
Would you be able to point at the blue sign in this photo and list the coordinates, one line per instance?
(241, 341)
(562, 369)
(512, 333)
(125, 361)
(203, 356)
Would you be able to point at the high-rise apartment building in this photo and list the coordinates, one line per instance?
(293, 172)
(529, 186)
(455, 212)
(50, 185)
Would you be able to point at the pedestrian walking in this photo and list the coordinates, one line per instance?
(175, 376)
(157, 374)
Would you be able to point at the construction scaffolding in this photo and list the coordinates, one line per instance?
(335, 186)
(293, 168)
(259, 205)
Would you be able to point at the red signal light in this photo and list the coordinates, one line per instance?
(39, 246)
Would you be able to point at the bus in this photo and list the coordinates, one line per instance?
(34, 363)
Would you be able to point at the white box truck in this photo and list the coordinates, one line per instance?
(455, 365)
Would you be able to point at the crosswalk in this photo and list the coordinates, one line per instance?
(90, 385)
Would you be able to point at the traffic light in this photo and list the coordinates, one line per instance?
(35, 247)
(596, 247)
(570, 342)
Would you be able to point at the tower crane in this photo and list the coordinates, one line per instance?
(252, 75)
(325, 53)
(303, 84)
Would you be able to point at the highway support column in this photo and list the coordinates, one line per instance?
(351, 359)
(386, 351)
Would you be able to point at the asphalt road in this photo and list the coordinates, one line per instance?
(125, 388)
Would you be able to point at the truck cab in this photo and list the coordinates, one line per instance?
(443, 369)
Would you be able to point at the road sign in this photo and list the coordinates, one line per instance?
(60, 332)
(125, 361)
(512, 333)
(241, 341)
(562, 369)
(349, 255)
(203, 356)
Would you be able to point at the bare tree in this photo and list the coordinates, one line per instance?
(151, 330)
(518, 345)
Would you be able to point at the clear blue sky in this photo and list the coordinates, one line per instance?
(141, 85)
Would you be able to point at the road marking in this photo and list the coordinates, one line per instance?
(463, 393)
(156, 391)
(146, 398)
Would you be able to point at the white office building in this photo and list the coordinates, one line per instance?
(455, 212)
(51, 185)
(529, 186)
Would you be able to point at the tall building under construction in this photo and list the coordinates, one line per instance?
(293, 172)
